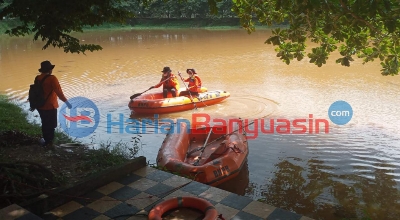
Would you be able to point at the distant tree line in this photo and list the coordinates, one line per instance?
(168, 9)
(178, 9)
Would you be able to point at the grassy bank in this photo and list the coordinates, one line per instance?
(25, 163)
(13, 117)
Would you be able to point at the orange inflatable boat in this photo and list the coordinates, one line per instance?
(209, 155)
(154, 103)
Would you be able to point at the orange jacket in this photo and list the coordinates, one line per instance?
(198, 78)
(194, 85)
(51, 85)
(172, 82)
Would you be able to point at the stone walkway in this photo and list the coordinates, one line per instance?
(135, 195)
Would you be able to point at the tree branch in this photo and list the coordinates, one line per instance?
(344, 6)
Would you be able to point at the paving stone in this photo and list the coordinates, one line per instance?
(142, 200)
(245, 216)
(279, 214)
(143, 184)
(176, 181)
(82, 214)
(124, 193)
(121, 211)
(226, 211)
(104, 204)
(89, 197)
(29, 216)
(13, 211)
(236, 201)
(109, 188)
(102, 217)
(160, 190)
(215, 194)
(49, 216)
(259, 209)
(133, 196)
(143, 172)
(129, 179)
(159, 176)
(195, 188)
(179, 193)
(66, 209)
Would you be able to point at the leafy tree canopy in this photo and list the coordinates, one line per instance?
(367, 29)
(53, 20)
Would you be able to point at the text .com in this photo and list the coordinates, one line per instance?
(340, 113)
(252, 127)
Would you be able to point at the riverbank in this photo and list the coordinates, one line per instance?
(27, 169)
(163, 23)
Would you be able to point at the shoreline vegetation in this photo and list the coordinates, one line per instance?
(27, 169)
(162, 23)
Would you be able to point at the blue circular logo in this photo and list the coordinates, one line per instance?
(81, 120)
(340, 112)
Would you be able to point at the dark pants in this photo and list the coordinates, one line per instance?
(49, 123)
(166, 90)
(187, 93)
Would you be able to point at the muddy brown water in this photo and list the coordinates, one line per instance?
(350, 172)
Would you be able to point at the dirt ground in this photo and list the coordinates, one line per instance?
(28, 170)
(63, 162)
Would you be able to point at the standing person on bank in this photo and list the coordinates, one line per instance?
(48, 112)
(194, 83)
(171, 85)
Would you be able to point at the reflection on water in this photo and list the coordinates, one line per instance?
(307, 189)
(352, 170)
(239, 184)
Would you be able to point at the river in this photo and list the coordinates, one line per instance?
(349, 172)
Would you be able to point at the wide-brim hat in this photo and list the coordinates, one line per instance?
(166, 70)
(193, 70)
(46, 66)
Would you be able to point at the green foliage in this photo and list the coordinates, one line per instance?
(366, 29)
(52, 20)
(111, 154)
(14, 118)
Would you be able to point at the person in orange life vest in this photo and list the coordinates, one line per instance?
(194, 83)
(48, 112)
(171, 85)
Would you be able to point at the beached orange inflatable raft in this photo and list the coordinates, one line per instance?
(207, 157)
(154, 103)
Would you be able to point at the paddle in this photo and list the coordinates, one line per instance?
(191, 98)
(138, 94)
(204, 146)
